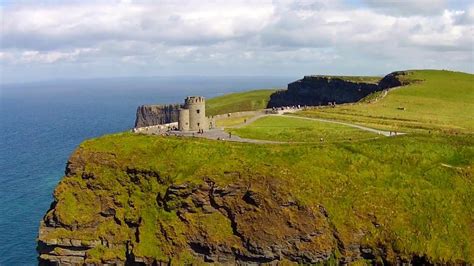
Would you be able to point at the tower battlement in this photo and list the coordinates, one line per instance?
(194, 100)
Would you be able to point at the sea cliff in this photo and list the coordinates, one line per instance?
(326, 90)
(150, 115)
(130, 198)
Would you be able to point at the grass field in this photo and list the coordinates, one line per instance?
(237, 102)
(280, 128)
(232, 121)
(443, 101)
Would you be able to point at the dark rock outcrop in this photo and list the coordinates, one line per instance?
(324, 90)
(320, 90)
(150, 115)
(393, 79)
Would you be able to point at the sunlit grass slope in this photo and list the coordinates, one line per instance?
(280, 128)
(413, 193)
(240, 101)
(442, 100)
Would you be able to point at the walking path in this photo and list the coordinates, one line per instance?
(377, 131)
(220, 134)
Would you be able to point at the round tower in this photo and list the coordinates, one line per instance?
(183, 120)
(197, 113)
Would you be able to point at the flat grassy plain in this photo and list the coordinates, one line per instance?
(240, 101)
(232, 121)
(290, 129)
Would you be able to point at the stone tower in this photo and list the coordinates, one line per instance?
(183, 119)
(197, 112)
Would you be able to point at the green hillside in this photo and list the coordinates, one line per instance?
(405, 198)
(442, 100)
(411, 194)
(290, 129)
(240, 101)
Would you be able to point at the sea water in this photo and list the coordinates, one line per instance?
(41, 123)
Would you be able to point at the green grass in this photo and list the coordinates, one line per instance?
(442, 101)
(356, 79)
(423, 207)
(237, 102)
(288, 129)
(232, 121)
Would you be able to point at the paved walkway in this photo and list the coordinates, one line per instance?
(377, 131)
(220, 134)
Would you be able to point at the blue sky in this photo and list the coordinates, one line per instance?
(47, 40)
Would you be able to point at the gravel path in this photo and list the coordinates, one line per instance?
(220, 134)
(377, 131)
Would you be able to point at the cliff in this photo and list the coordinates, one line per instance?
(322, 90)
(150, 115)
(154, 200)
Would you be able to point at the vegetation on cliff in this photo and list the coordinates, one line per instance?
(188, 200)
(410, 195)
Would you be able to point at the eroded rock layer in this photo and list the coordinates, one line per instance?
(150, 115)
(324, 90)
(129, 215)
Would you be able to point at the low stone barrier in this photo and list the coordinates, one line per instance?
(157, 129)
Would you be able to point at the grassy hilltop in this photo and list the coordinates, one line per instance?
(440, 100)
(402, 198)
(240, 101)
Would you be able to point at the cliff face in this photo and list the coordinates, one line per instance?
(245, 222)
(321, 90)
(152, 200)
(150, 115)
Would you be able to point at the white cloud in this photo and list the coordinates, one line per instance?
(253, 37)
(48, 57)
(409, 7)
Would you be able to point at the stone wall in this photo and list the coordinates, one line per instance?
(150, 115)
(156, 129)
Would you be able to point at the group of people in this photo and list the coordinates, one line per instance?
(286, 107)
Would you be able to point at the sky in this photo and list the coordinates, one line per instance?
(47, 40)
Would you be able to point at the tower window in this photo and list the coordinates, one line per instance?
(197, 111)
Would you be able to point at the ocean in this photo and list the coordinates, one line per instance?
(41, 123)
